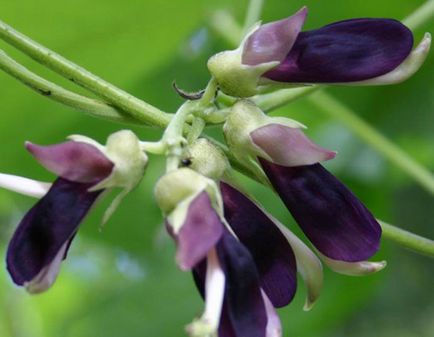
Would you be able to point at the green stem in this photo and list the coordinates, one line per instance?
(135, 107)
(224, 24)
(282, 97)
(158, 148)
(409, 240)
(57, 93)
(376, 140)
(173, 135)
(253, 14)
(196, 130)
(420, 16)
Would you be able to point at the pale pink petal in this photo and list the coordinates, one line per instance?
(75, 161)
(273, 41)
(288, 146)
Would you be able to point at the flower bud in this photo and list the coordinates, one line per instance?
(207, 159)
(249, 132)
(178, 186)
(193, 209)
(364, 51)
(123, 149)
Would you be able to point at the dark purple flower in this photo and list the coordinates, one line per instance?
(277, 252)
(334, 220)
(362, 51)
(346, 51)
(337, 223)
(235, 272)
(243, 310)
(85, 169)
(43, 237)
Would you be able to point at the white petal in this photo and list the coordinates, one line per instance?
(274, 327)
(208, 324)
(353, 268)
(26, 186)
(406, 69)
(48, 274)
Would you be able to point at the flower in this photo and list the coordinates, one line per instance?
(243, 261)
(85, 170)
(355, 52)
(340, 227)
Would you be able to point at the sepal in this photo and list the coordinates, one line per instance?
(250, 133)
(124, 151)
(182, 185)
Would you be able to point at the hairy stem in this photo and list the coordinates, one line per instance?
(409, 240)
(55, 92)
(135, 107)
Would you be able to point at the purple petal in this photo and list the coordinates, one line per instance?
(289, 146)
(345, 51)
(273, 41)
(270, 250)
(46, 228)
(75, 161)
(244, 304)
(336, 222)
(201, 231)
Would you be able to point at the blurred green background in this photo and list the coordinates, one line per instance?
(123, 281)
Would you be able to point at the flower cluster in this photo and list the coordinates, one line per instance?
(244, 261)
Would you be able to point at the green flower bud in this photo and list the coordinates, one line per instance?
(177, 186)
(123, 149)
(207, 159)
(245, 118)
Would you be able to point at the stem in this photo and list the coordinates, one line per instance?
(282, 97)
(409, 240)
(132, 105)
(158, 148)
(173, 137)
(57, 93)
(196, 130)
(420, 16)
(376, 140)
(253, 14)
(224, 24)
